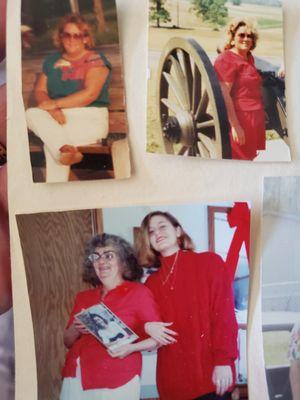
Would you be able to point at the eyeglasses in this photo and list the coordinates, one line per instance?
(105, 256)
(75, 36)
(246, 35)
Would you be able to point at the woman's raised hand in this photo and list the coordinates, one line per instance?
(159, 332)
(238, 135)
(222, 378)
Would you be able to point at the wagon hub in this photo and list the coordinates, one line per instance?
(180, 129)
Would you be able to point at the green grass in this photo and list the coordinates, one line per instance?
(275, 348)
(268, 23)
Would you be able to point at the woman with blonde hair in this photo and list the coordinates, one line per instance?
(72, 97)
(241, 86)
(194, 295)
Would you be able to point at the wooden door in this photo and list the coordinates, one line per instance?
(53, 250)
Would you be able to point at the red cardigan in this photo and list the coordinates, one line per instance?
(197, 298)
(133, 303)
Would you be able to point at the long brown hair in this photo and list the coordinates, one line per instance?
(147, 256)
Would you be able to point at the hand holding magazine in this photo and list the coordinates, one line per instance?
(102, 323)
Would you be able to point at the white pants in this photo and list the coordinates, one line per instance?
(72, 390)
(84, 125)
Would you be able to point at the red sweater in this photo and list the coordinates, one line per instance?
(197, 298)
(133, 303)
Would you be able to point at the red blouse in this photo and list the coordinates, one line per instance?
(197, 298)
(246, 89)
(133, 303)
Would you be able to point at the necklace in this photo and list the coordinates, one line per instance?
(170, 273)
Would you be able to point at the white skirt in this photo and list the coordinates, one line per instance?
(72, 390)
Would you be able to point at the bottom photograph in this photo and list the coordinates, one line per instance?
(146, 302)
(281, 286)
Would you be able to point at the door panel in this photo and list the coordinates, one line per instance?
(53, 250)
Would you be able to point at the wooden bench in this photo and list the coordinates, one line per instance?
(115, 146)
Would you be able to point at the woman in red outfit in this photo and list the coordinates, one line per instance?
(241, 88)
(194, 294)
(90, 371)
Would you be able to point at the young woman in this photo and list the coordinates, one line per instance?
(90, 371)
(72, 98)
(241, 87)
(194, 294)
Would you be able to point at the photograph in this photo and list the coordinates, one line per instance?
(7, 360)
(281, 286)
(216, 80)
(176, 275)
(73, 90)
(101, 322)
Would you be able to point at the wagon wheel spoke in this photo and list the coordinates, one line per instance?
(168, 146)
(207, 145)
(181, 80)
(202, 107)
(184, 151)
(185, 64)
(177, 90)
(207, 124)
(171, 105)
(196, 85)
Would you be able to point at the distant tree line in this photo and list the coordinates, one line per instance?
(39, 13)
(274, 3)
(213, 11)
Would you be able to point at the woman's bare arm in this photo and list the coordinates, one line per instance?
(41, 96)
(40, 90)
(93, 85)
(127, 349)
(238, 134)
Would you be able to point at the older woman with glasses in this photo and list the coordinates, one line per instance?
(241, 87)
(72, 98)
(91, 371)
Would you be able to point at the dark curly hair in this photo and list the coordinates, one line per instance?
(131, 270)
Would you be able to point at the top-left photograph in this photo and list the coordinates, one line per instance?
(73, 90)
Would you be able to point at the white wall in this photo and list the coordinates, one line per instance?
(193, 217)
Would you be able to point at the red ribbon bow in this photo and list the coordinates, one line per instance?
(239, 217)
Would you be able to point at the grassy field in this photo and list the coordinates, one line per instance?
(270, 44)
(275, 348)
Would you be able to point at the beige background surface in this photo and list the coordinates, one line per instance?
(156, 179)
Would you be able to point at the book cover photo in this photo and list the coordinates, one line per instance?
(102, 323)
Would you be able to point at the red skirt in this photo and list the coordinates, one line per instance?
(253, 124)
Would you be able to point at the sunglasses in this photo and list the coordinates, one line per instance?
(75, 36)
(245, 35)
(106, 256)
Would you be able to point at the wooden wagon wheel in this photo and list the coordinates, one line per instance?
(191, 107)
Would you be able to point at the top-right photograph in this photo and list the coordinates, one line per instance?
(216, 86)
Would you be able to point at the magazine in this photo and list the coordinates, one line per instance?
(102, 323)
